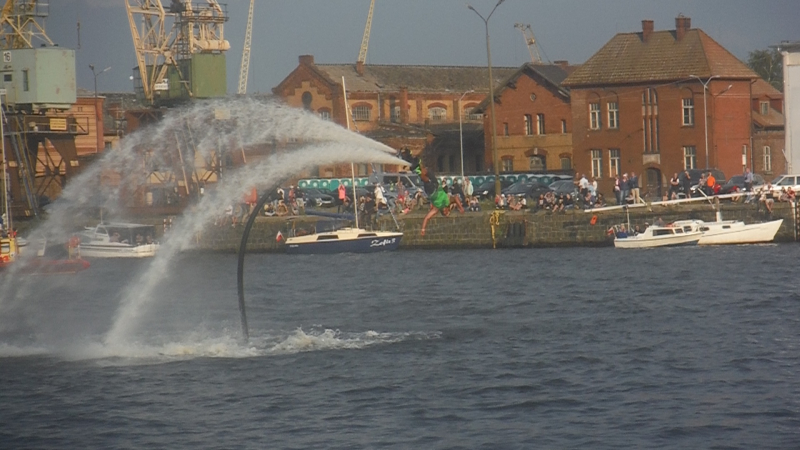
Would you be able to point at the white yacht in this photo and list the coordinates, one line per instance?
(118, 240)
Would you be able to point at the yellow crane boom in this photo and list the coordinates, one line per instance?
(362, 54)
(248, 37)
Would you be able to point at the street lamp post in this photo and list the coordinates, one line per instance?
(491, 96)
(705, 110)
(97, 116)
(461, 131)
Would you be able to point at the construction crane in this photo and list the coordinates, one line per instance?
(530, 42)
(19, 27)
(248, 37)
(163, 38)
(362, 54)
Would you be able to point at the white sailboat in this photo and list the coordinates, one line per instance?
(345, 240)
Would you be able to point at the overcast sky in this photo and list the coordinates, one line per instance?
(428, 32)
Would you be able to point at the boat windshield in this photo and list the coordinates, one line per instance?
(5, 248)
(132, 235)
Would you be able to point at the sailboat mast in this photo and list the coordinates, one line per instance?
(352, 166)
(5, 164)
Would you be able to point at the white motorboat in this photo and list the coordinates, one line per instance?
(724, 232)
(118, 240)
(655, 236)
(344, 240)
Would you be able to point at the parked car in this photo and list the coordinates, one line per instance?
(531, 188)
(736, 184)
(317, 198)
(783, 182)
(565, 187)
(486, 189)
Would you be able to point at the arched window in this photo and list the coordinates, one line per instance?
(324, 113)
(307, 97)
(362, 112)
(536, 163)
(437, 114)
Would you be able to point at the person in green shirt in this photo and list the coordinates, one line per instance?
(439, 199)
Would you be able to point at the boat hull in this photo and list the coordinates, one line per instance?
(684, 239)
(345, 243)
(117, 251)
(739, 233)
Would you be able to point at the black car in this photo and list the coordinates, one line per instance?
(736, 184)
(315, 197)
(563, 187)
(486, 189)
(531, 188)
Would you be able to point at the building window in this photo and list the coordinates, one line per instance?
(536, 163)
(505, 128)
(528, 125)
(361, 113)
(508, 165)
(107, 145)
(437, 114)
(764, 108)
(6, 77)
(563, 126)
(25, 80)
(767, 159)
(362, 170)
(325, 114)
(613, 115)
(472, 115)
(613, 161)
(688, 112)
(394, 114)
(540, 124)
(597, 163)
(566, 163)
(689, 157)
(594, 116)
(650, 137)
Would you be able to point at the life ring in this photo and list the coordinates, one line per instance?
(593, 221)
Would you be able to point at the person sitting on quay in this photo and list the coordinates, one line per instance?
(474, 204)
(787, 195)
(766, 198)
(499, 201)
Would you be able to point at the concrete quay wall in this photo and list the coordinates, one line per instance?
(512, 228)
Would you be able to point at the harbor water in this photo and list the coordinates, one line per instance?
(478, 349)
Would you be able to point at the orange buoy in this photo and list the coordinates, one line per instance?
(593, 221)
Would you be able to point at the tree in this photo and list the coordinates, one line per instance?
(769, 65)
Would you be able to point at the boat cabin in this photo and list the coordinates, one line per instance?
(131, 234)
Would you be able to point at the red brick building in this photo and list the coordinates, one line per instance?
(638, 106)
(534, 120)
(401, 106)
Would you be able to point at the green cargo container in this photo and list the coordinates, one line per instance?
(205, 76)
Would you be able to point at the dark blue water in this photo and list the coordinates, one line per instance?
(559, 348)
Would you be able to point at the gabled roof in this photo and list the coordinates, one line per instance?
(627, 58)
(761, 89)
(385, 78)
(549, 75)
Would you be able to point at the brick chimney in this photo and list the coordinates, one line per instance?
(403, 104)
(682, 25)
(360, 67)
(307, 60)
(562, 63)
(647, 30)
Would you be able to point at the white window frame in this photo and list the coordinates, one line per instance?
(540, 124)
(528, 125)
(507, 165)
(594, 116)
(563, 126)
(437, 114)
(597, 163)
(614, 161)
(689, 157)
(767, 159)
(613, 115)
(764, 108)
(394, 114)
(688, 112)
(325, 114)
